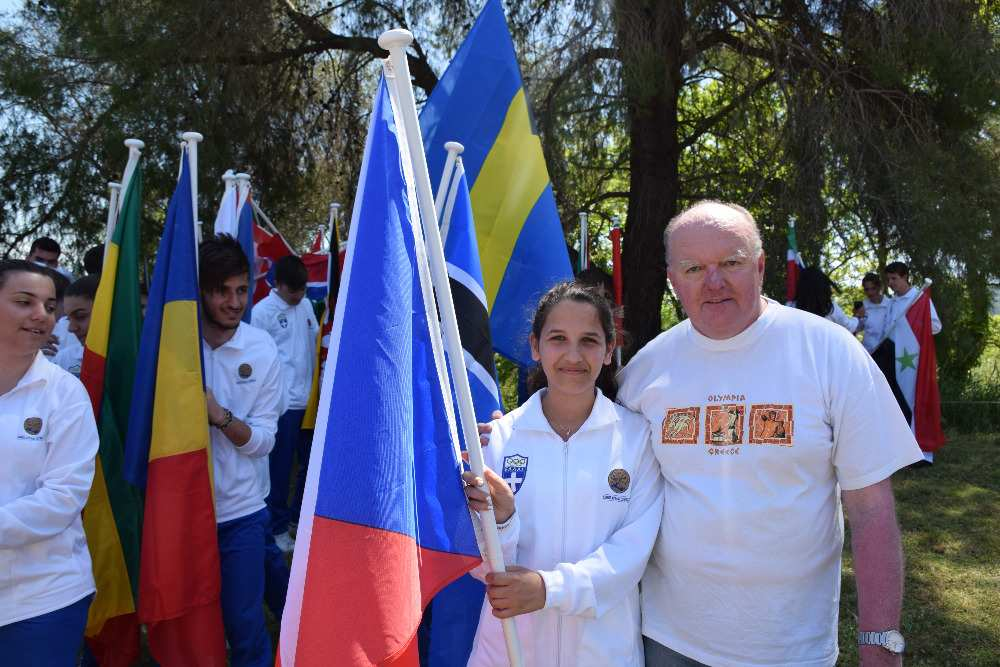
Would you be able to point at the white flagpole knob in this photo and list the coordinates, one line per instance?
(454, 147)
(137, 144)
(192, 137)
(242, 177)
(397, 37)
(228, 176)
(114, 186)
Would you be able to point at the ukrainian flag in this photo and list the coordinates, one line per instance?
(167, 453)
(480, 102)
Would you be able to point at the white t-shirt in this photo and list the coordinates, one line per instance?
(67, 340)
(876, 321)
(901, 303)
(753, 435)
(838, 316)
(48, 441)
(293, 329)
(244, 375)
(70, 359)
(588, 511)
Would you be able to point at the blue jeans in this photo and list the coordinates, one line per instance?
(658, 655)
(242, 559)
(289, 439)
(49, 640)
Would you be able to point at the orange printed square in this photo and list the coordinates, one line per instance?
(680, 426)
(724, 424)
(771, 424)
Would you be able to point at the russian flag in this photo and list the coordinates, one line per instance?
(384, 522)
(245, 235)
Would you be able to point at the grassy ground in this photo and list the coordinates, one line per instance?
(950, 520)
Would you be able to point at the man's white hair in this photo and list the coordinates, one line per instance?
(702, 211)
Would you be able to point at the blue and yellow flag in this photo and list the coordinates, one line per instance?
(481, 103)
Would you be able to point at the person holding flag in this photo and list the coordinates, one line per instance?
(580, 546)
(288, 317)
(244, 390)
(48, 446)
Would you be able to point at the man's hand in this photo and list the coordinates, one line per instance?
(514, 592)
(485, 429)
(876, 656)
(216, 413)
(503, 497)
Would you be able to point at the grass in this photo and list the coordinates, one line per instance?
(951, 540)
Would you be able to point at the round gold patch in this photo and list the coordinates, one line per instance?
(33, 425)
(245, 371)
(618, 480)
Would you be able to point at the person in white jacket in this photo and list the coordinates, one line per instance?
(245, 397)
(578, 497)
(48, 441)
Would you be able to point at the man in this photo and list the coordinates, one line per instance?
(897, 275)
(746, 570)
(78, 303)
(45, 252)
(93, 260)
(244, 394)
(876, 311)
(291, 322)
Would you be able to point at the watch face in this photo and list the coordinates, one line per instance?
(894, 642)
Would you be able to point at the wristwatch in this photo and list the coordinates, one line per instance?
(891, 640)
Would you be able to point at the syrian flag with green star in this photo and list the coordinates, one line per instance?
(916, 372)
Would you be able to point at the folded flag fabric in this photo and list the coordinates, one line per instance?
(384, 523)
(793, 262)
(167, 454)
(245, 235)
(268, 249)
(913, 357)
(480, 102)
(113, 514)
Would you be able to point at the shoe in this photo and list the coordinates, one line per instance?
(284, 542)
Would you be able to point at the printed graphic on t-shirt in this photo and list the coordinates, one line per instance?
(680, 426)
(771, 424)
(724, 424)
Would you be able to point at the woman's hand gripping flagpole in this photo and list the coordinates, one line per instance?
(395, 42)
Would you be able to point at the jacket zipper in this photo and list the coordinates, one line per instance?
(562, 545)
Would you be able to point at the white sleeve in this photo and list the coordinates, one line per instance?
(871, 439)
(260, 317)
(601, 580)
(838, 316)
(263, 417)
(63, 485)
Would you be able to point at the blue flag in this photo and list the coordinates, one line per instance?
(244, 235)
(480, 102)
(384, 520)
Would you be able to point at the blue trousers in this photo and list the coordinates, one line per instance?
(49, 640)
(241, 555)
(289, 440)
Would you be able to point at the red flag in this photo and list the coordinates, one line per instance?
(269, 248)
(927, 402)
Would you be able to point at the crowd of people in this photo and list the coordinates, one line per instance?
(685, 510)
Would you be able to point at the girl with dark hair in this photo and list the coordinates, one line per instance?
(48, 441)
(814, 294)
(578, 499)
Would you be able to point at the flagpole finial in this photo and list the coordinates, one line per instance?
(192, 137)
(137, 144)
(114, 185)
(228, 176)
(454, 147)
(335, 206)
(397, 37)
(928, 282)
(242, 176)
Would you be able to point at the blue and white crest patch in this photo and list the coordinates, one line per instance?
(515, 469)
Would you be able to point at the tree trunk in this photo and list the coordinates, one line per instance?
(649, 37)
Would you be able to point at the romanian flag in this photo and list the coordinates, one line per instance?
(384, 522)
(480, 102)
(167, 453)
(112, 516)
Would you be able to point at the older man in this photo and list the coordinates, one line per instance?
(765, 420)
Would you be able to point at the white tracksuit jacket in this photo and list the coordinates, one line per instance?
(587, 514)
(48, 441)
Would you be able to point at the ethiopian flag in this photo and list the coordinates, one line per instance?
(112, 516)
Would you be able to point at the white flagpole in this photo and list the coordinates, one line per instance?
(454, 150)
(114, 191)
(266, 220)
(395, 42)
(192, 139)
(584, 255)
(135, 147)
(449, 203)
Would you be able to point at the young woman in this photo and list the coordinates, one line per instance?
(48, 441)
(578, 498)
